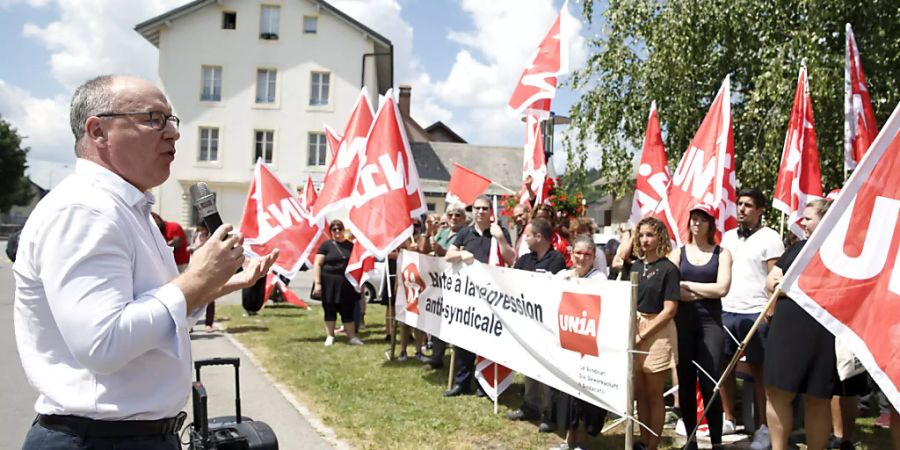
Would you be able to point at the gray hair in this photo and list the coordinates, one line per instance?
(455, 207)
(93, 97)
(586, 240)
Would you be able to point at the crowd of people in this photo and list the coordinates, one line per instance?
(695, 305)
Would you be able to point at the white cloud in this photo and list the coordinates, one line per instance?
(84, 43)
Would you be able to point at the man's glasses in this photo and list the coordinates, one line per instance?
(482, 208)
(454, 214)
(155, 119)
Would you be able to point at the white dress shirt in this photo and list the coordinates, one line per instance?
(101, 331)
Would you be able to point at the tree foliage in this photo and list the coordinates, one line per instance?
(14, 185)
(678, 52)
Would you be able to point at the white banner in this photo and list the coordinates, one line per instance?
(569, 334)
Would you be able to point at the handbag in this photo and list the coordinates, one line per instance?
(848, 365)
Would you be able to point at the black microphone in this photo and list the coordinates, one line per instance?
(205, 202)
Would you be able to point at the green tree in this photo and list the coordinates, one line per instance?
(14, 184)
(678, 52)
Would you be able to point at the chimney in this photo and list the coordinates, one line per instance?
(405, 92)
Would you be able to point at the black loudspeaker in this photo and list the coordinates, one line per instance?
(226, 432)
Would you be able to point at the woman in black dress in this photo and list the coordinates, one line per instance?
(332, 286)
(799, 356)
(705, 278)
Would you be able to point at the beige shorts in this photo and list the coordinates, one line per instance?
(661, 347)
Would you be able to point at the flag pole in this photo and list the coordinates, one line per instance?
(452, 370)
(496, 390)
(734, 360)
(629, 389)
(503, 187)
(392, 310)
(781, 227)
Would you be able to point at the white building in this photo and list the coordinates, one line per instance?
(256, 79)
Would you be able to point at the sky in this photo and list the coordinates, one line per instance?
(461, 57)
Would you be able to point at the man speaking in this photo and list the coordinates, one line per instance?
(101, 314)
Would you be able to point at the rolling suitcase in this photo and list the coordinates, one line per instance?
(235, 432)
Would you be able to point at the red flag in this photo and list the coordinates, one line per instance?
(859, 117)
(274, 218)
(534, 164)
(360, 267)
(340, 176)
(289, 295)
(653, 173)
(270, 285)
(705, 173)
(537, 84)
(484, 373)
(847, 275)
(309, 197)
(465, 185)
(799, 179)
(387, 194)
(334, 141)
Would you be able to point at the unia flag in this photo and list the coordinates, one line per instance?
(465, 185)
(274, 218)
(308, 200)
(360, 266)
(386, 195)
(704, 174)
(653, 172)
(340, 176)
(799, 178)
(859, 117)
(537, 84)
(848, 274)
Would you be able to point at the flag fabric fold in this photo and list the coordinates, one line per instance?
(799, 177)
(465, 185)
(274, 218)
(386, 195)
(340, 176)
(860, 128)
(704, 174)
(537, 84)
(846, 274)
(653, 171)
(360, 267)
(534, 163)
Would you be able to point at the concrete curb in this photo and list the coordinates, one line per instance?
(315, 422)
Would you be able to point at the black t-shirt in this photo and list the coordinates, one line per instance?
(787, 258)
(658, 283)
(552, 262)
(479, 244)
(337, 254)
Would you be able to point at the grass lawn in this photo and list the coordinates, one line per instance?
(376, 404)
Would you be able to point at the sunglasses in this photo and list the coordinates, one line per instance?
(454, 214)
(337, 229)
(482, 208)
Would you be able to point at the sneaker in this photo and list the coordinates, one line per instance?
(761, 440)
(545, 427)
(702, 431)
(520, 414)
(728, 427)
(421, 358)
(672, 417)
(402, 357)
(329, 341)
(563, 446)
(355, 340)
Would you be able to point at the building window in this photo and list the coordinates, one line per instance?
(431, 207)
(229, 20)
(264, 145)
(209, 144)
(310, 24)
(212, 84)
(268, 22)
(265, 85)
(318, 148)
(318, 90)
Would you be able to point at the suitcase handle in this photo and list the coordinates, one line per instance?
(236, 362)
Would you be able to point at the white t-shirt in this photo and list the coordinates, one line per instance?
(749, 269)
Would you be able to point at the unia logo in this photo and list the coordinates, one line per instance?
(579, 319)
(413, 285)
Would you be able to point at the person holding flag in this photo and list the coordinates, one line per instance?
(800, 358)
(473, 243)
(331, 285)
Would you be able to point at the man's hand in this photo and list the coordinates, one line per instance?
(254, 269)
(212, 266)
(467, 257)
(497, 232)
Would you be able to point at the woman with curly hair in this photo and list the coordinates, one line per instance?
(656, 341)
